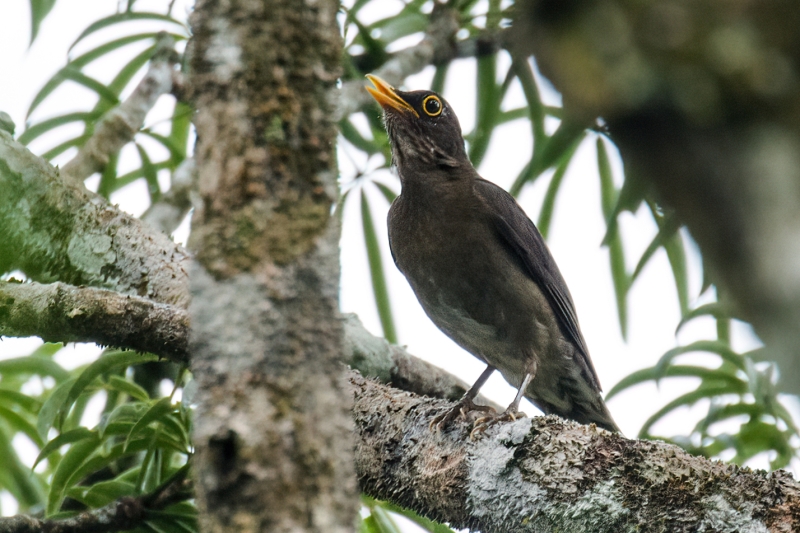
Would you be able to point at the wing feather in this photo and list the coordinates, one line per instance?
(521, 236)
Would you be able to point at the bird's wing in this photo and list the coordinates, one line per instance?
(522, 237)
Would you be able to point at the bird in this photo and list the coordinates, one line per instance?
(481, 270)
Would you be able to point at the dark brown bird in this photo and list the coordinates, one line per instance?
(480, 268)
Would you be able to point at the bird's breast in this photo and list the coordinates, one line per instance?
(470, 285)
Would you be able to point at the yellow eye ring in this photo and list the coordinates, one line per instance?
(432, 106)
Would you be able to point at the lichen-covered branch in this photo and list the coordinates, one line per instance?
(120, 125)
(546, 474)
(374, 357)
(63, 313)
(54, 229)
(121, 515)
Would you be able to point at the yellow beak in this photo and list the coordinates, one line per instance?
(385, 95)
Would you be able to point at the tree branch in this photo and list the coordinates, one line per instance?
(121, 124)
(169, 211)
(55, 229)
(549, 474)
(59, 312)
(437, 46)
(391, 364)
(64, 313)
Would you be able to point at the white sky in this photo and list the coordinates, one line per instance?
(576, 232)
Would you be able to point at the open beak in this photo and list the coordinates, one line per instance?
(387, 97)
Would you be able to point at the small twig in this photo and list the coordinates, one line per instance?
(169, 211)
(121, 515)
(64, 313)
(120, 125)
(437, 44)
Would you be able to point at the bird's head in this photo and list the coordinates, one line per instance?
(423, 129)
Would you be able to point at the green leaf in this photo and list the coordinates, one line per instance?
(76, 64)
(370, 525)
(410, 20)
(124, 17)
(439, 77)
(103, 493)
(128, 387)
(712, 346)
(379, 288)
(387, 192)
(39, 10)
(181, 127)
(52, 407)
(32, 365)
(150, 174)
(677, 260)
(75, 435)
(125, 415)
(75, 457)
(45, 126)
(548, 205)
(373, 47)
(667, 228)
(511, 115)
(17, 422)
(353, 11)
(354, 137)
(384, 521)
(688, 399)
(107, 362)
(651, 374)
(157, 410)
(149, 473)
(66, 145)
(619, 274)
(630, 197)
(717, 413)
(134, 175)
(714, 309)
(424, 523)
(487, 108)
(32, 405)
(548, 152)
(111, 454)
(17, 479)
(524, 71)
(108, 177)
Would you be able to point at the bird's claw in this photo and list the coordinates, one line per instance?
(485, 422)
(462, 408)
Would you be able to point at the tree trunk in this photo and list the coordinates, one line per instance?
(272, 427)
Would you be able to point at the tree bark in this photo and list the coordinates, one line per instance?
(272, 432)
(547, 474)
(54, 229)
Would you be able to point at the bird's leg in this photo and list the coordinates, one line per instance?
(465, 404)
(511, 413)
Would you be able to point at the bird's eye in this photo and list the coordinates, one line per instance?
(432, 105)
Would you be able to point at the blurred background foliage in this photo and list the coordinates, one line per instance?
(142, 438)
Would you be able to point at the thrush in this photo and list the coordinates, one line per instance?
(480, 268)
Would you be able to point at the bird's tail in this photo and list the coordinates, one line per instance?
(594, 411)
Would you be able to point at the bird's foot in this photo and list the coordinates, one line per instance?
(462, 408)
(485, 422)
